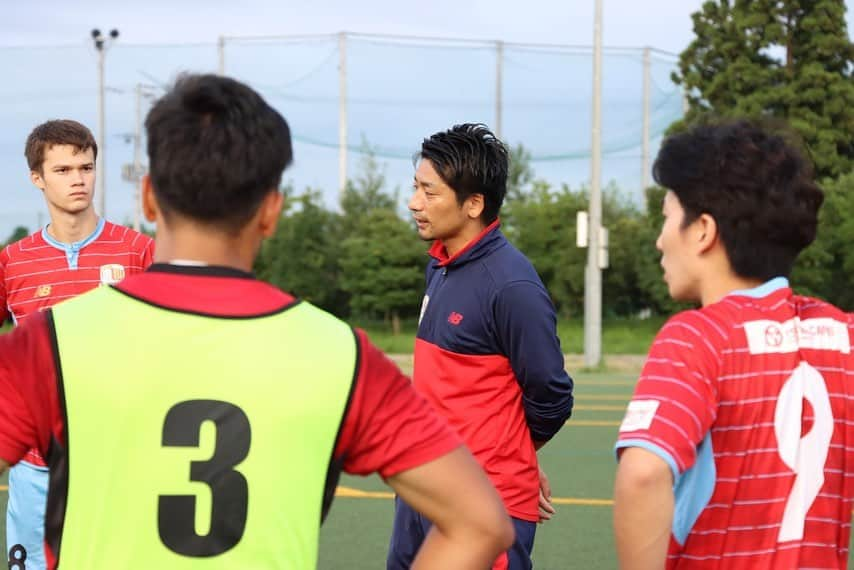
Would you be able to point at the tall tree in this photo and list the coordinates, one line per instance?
(791, 59)
(366, 192)
(383, 267)
(302, 257)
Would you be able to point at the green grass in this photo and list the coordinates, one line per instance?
(619, 336)
(580, 465)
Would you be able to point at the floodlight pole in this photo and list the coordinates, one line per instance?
(101, 44)
(593, 273)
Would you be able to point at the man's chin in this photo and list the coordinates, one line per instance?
(77, 208)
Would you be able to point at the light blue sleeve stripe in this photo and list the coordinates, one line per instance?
(694, 490)
(652, 448)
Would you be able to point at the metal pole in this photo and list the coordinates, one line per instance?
(137, 166)
(101, 172)
(645, 134)
(342, 114)
(593, 274)
(499, 100)
(221, 52)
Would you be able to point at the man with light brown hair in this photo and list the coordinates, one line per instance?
(75, 252)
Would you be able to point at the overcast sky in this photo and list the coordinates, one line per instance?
(47, 83)
(665, 24)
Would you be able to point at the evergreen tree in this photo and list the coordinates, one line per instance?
(790, 59)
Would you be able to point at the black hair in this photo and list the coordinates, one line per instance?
(471, 160)
(756, 184)
(216, 148)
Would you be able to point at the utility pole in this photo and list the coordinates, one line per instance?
(101, 45)
(221, 53)
(499, 87)
(342, 115)
(645, 129)
(137, 162)
(134, 171)
(593, 272)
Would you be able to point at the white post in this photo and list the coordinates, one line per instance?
(499, 72)
(645, 129)
(593, 274)
(101, 44)
(137, 166)
(221, 53)
(342, 114)
(101, 170)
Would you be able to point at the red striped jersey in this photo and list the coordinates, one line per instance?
(751, 403)
(39, 271)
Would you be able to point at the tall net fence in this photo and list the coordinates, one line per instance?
(390, 92)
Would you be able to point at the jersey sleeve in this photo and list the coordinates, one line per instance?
(675, 400)
(526, 325)
(389, 427)
(4, 308)
(29, 402)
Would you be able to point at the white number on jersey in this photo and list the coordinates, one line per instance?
(804, 455)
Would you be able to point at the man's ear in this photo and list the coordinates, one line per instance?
(705, 232)
(474, 206)
(270, 212)
(37, 179)
(150, 208)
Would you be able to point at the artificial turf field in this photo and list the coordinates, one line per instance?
(579, 462)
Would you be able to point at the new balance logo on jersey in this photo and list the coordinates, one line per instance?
(112, 274)
(42, 291)
(455, 318)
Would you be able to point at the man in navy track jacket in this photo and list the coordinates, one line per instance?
(487, 356)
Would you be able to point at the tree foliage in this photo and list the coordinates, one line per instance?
(789, 59)
(19, 233)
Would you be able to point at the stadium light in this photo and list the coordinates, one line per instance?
(101, 44)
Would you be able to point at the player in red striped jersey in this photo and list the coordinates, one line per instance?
(737, 449)
(76, 252)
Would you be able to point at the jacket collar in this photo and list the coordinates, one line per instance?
(485, 242)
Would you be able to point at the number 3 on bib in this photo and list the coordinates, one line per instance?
(805, 455)
(228, 487)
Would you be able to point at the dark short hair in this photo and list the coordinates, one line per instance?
(57, 132)
(216, 148)
(755, 183)
(471, 160)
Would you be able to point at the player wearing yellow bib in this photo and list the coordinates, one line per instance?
(194, 417)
